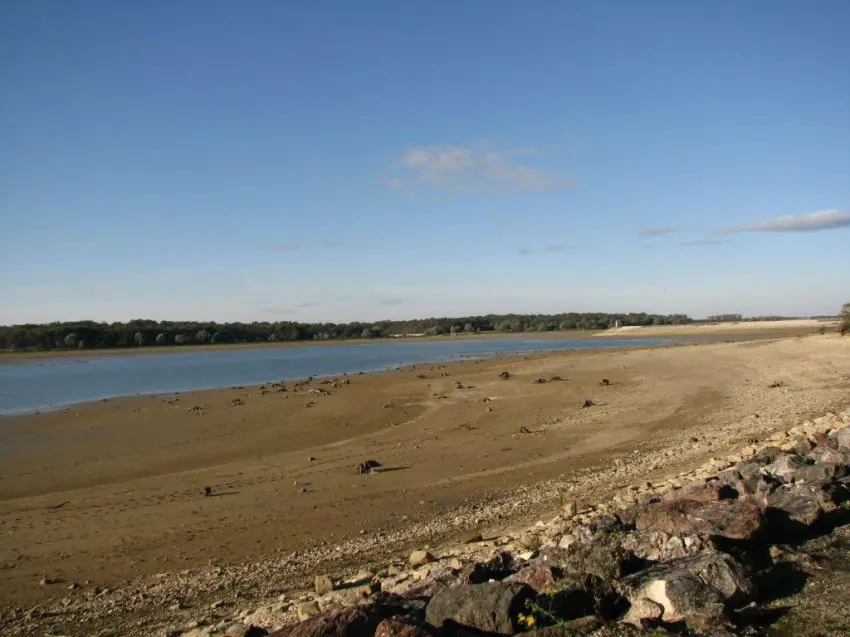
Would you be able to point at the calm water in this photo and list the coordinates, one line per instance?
(52, 383)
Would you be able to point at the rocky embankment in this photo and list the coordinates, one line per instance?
(723, 550)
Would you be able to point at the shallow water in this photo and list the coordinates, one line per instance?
(52, 383)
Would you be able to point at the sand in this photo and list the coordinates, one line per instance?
(107, 492)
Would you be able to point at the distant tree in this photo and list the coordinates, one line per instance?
(139, 339)
(366, 333)
(71, 340)
(161, 339)
(845, 318)
(203, 336)
(454, 329)
(81, 344)
(179, 339)
(469, 328)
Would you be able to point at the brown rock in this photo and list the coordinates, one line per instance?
(419, 558)
(733, 519)
(540, 578)
(323, 584)
(399, 628)
(357, 621)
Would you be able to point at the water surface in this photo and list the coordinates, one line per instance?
(60, 381)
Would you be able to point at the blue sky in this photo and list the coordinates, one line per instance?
(382, 159)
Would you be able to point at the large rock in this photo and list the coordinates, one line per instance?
(694, 589)
(795, 507)
(323, 584)
(420, 558)
(492, 607)
(400, 628)
(643, 611)
(356, 621)
(785, 467)
(540, 578)
(842, 437)
(657, 546)
(732, 519)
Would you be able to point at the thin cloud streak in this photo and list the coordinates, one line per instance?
(655, 232)
(526, 251)
(699, 243)
(808, 222)
(461, 170)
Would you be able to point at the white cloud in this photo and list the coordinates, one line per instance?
(526, 251)
(467, 171)
(821, 220)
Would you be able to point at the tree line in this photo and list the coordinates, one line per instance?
(148, 333)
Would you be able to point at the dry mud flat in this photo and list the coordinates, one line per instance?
(126, 500)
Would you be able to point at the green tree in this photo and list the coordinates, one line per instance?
(366, 333)
(161, 339)
(179, 339)
(71, 340)
(845, 318)
(139, 339)
(203, 336)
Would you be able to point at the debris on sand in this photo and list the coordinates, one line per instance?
(588, 403)
(505, 375)
(368, 466)
(604, 382)
(207, 492)
(775, 384)
(539, 381)
(556, 379)
(525, 430)
(237, 402)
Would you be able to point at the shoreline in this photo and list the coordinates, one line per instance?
(603, 345)
(112, 492)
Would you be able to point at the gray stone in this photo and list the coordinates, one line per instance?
(785, 467)
(842, 437)
(493, 607)
(733, 519)
(694, 589)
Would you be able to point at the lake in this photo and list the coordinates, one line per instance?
(49, 383)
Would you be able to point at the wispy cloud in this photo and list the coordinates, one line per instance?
(463, 170)
(308, 304)
(808, 222)
(699, 243)
(526, 251)
(392, 301)
(656, 232)
(285, 247)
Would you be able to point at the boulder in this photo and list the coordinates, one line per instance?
(695, 589)
(419, 558)
(842, 437)
(400, 628)
(642, 612)
(657, 546)
(581, 626)
(795, 507)
(356, 621)
(493, 607)
(540, 578)
(732, 519)
(785, 467)
(323, 584)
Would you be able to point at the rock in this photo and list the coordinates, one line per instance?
(539, 578)
(356, 621)
(842, 437)
(435, 581)
(785, 467)
(581, 626)
(419, 558)
(694, 589)
(793, 508)
(239, 630)
(271, 616)
(306, 610)
(642, 611)
(399, 628)
(569, 510)
(493, 607)
(323, 584)
(732, 519)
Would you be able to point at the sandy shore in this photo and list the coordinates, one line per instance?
(107, 492)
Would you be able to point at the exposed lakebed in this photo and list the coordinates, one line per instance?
(49, 383)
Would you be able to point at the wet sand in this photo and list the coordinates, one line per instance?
(109, 491)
